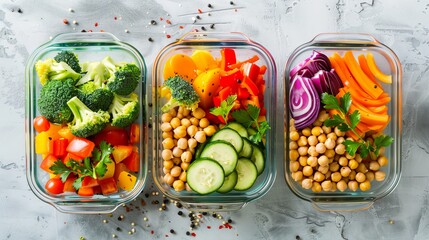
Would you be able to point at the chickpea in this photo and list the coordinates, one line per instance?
(182, 143)
(345, 171)
(168, 179)
(179, 115)
(294, 166)
(200, 136)
(334, 167)
(343, 161)
(320, 148)
(168, 143)
(348, 156)
(168, 164)
(165, 127)
(184, 166)
(297, 176)
(176, 171)
(365, 186)
(323, 169)
(316, 187)
(303, 160)
(209, 130)
(167, 134)
(177, 152)
(312, 151)
(340, 149)
(338, 132)
(306, 132)
(307, 183)
(360, 177)
(294, 135)
(330, 153)
(178, 185)
(312, 140)
(362, 168)
(374, 165)
(302, 141)
(194, 121)
(370, 176)
(342, 185)
(176, 160)
(330, 143)
(180, 110)
(303, 151)
(353, 164)
(379, 176)
(204, 122)
(186, 157)
(172, 112)
(293, 145)
(166, 154)
(323, 116)
(316, 131)
(199, 113)
(332, 136)
(180, 132)
(165, 170)
(185, 122)
(182, 176)
(166, 117)
(312, 161)
(336, 176)
(319, 177)
(186, 112)
(293, 155)
(322, 138)
(192, 130)
(307, 171)
(340, 140)
(192, 143)
(358, 158)
(323, 160)
(334, 187)
(317, 123)
(353, 185)
(175, 122)
(326, 185)
(382, 161)
(352, 175)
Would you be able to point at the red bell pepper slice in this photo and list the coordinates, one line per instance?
(48, 162)
(232, 80)
(71, 156)
(242, 93)
(68, 184)
(60, 146)
(224, 93)
(216, 101)
(114, 136)
(228, 58)
(89, 182)
(250, 86)
(262, 69)
(251, 70)
(133, 162)
(134, 133)
(86, 191)
(81, 147)
(108, 186)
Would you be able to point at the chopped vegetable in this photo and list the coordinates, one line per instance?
(376, 71)
(70, 58)
(180, 93)
(124, 110)
(249, 117)
(224, 108)
(311, 65)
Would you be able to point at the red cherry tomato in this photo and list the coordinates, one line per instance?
(41, 124)
(114, 137)
(54, 186)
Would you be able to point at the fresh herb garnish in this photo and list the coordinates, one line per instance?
(249, 117)
(85, 168)
(346, 121)
(224, 108)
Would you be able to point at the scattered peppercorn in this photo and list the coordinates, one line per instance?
(214, 215)
(172, 231)
(96, 24)
(231, 2)
(168, 36)
(203, 28)
(83, 30)
(180, 213)
(150, 39)
(153, 22)
(146, 195)
(65, 21)
(20, 10)
(179, 205)
(198, 17)
(200, 11)
(229, 221)
(204, 213)
(188, 233)
(168, 21)
(118, 229)
(212, 26)
(209, 5)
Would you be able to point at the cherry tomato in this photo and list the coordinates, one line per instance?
(114, 137)
(54, 186)
(41, 124)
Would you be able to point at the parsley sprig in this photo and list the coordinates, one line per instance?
(224, 108)
(85, 168)
(346, 121)
(249, 117)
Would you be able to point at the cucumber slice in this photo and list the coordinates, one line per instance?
(229, 183)
(239, 128)
(199, 149)
(258, 158)
(247, 174)
(247, 149)
(231, 136)
(205, 176)
(223, 153)
(251, 131)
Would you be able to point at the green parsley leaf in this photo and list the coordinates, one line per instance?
(343, 127)
(243, 117)
(330, 101)
(224, 108)
(60, 168)
(346, 102)
(101, 167)
(334, 121)
(354, 119)
(248, 117)
(351, 146)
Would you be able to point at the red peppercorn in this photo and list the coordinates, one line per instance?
(200, 11)
(65, 21)
(168, 21)
(96, 24)
(168, 36)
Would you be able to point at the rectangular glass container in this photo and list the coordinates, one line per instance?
(388, 63)
(88, 47)
(244, 48)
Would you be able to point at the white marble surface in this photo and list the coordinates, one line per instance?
(280, 26)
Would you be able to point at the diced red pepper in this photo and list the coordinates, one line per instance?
(108, 186)
(48, 162)
(89, 182)
(85, 191)
(212, 118)
(71, 156)
(232, 80)
(262, 69)
(216, 101)
(250, 70)
(132, 162)
(224, 93)
(81, 147)
(134, 133)
(113, 136)
(60, 146)
(228, 58)
(68, 184)
(242, 93)
(250, 86)
(263, 111)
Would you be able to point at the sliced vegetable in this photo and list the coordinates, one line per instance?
(120, 152)
(81, 147)
(205, 176)
(181, 65)
(222, 152)
(126, 181)
(376, 71)
(247, 174)
(41, 124)
(108, 186)
(206, 85)
(310, 66)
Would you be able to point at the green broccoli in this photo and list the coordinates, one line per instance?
(50, 69)
(124, 77)
(86, 122)
(70, 58)
(96, 72)
(181, 93)
(124, 109)
(52, 102)
(94, 97)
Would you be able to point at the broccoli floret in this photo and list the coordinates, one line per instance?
(70, 58)
(50, 69)
(95, 71)
(86, 122)
(52, 102)
(124, 77)
(94, 97)
(181, 93)
(124, 110)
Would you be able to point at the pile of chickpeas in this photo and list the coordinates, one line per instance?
(182, 130)
(319, 161)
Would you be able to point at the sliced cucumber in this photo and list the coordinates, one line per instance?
(205, 176)
(239, 128)
(229, 183)
(229, 135)
(258, 158)
(251, 131)
(247, 174)
(199, 149)
(222, 152)
(247, 149)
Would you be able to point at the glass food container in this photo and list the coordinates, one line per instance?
(244, 49)
(388, 63)
(88, 47)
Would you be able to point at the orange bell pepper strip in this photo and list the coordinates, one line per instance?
(366, 84)
(380, 110)
(365, 68)
(250, 60)
(376, 71)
